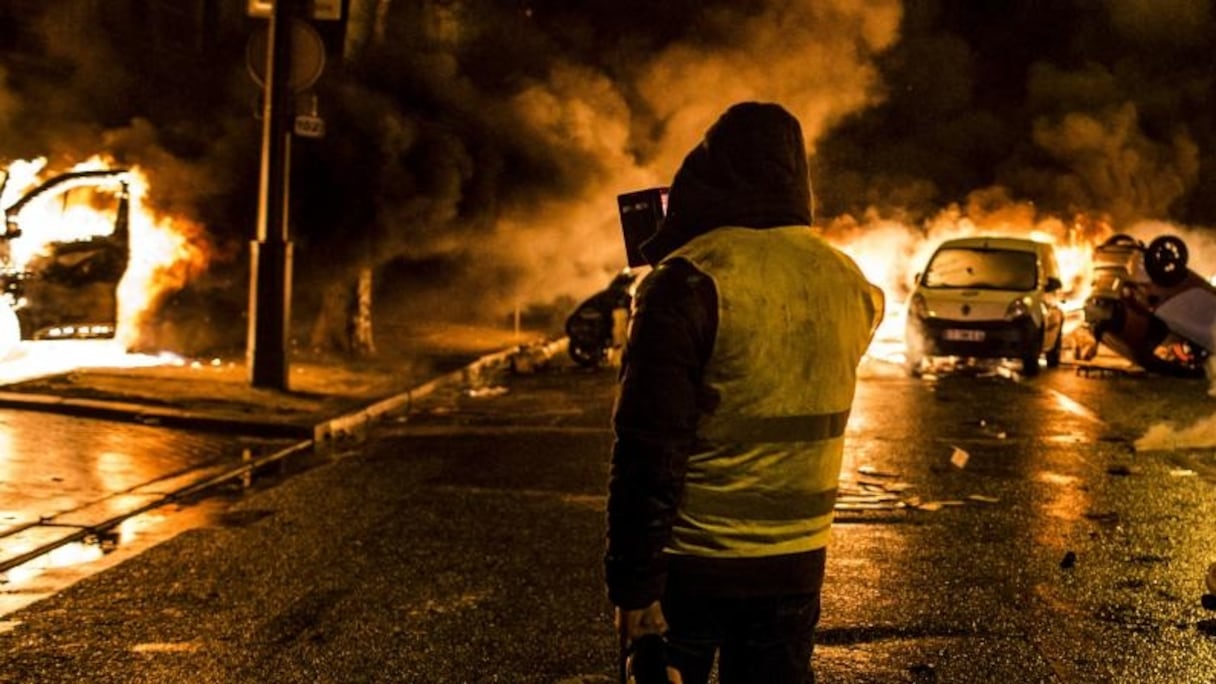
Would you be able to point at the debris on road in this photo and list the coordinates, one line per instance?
(483, 392)
(983, 499)
(875, 472)
(874, 490)
(531, 358)
(1104, 517)
(1089, 370)
(932, 506)
(1069, 560)
(959, 458)
(1121, 469)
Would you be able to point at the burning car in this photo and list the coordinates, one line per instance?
(58, 276)
(596, 325)
(1148, 307)
(989, 298)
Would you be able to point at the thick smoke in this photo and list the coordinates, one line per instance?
(1097, 109)
(475, 148)
(816, 60)
(540, 134)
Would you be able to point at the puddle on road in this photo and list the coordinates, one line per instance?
(65, 565)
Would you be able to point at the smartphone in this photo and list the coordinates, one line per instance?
(641, 213)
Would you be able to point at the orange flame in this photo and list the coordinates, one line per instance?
(890, 253)
(165, 251)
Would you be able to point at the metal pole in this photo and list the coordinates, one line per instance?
(270, 276)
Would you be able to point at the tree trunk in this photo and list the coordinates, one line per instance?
(361, 341)
(344, 321)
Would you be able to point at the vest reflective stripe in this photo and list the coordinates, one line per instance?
(781, 428)
(721, 537)
(794, 318)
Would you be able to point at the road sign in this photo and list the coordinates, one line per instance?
(307, 55)
(309, 126)
(320, 10)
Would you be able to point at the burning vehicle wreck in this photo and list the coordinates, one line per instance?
(1147, 306)
(597, 325)
(60, 267)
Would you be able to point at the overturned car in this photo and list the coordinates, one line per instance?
(59, 278)
(1147, 306)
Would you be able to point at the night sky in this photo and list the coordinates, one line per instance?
(478, 147)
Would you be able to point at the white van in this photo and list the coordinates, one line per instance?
(987, 297)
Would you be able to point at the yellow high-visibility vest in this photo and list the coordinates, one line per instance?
(795, 316)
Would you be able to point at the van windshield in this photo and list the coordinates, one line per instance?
(982, 269)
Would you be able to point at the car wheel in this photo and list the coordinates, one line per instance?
(1030, 361)
(1030, 366)
(588, 357)
(1165, 260)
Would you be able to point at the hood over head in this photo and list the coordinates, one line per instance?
(750, 170)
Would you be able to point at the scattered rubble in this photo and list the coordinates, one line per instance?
(484, 392)
(875, 489)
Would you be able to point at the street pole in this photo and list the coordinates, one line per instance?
(270, 257)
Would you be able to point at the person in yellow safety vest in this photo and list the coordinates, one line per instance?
(736, 383)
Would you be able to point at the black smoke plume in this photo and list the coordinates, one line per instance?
(474, 148)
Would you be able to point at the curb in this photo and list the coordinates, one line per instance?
(355, 424)
(149, 415)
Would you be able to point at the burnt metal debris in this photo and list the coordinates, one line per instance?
(69, 288)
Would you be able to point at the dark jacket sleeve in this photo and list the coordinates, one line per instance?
(660, 397)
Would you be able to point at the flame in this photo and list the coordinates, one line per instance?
(890, 253)
(165, 251)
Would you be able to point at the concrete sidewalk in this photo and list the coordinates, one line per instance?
(324, 396)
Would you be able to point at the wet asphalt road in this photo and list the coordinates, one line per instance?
(462, 544)
(62, 476)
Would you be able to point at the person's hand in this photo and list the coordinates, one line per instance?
(633, 624)
(637, 622)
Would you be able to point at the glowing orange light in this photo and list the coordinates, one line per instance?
(890, 253)
(165, 251)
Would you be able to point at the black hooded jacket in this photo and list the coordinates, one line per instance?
(749, 171)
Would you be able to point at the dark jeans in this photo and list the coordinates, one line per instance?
(759, 640)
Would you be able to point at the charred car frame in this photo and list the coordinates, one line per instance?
(66, 288)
